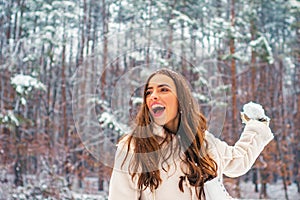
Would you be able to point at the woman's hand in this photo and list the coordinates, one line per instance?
(254, 111)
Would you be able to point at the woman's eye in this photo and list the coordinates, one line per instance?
(147, 93)
(164, 90)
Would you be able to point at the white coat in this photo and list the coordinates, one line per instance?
(233, 161)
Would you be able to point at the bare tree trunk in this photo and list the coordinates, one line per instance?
(82, 83)
(63, 92)
(170, 32)
(105, 46)
(22, 7)
(284, 166)
(296, 114)
(253, 60)
(263, 190)
(8, 29)
(18, 167)
(83, 35)
(297, 131)
(149, 36)
(15, 26)
(234, 88)
(5, 27)
(104, 14)
(183, 55)
(255, 179)
(233, 75)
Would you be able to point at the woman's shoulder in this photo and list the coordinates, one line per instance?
(213, 145)
(123, 139)
(126, 143)
(124, 153)
(210, 138)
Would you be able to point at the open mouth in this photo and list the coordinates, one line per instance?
(157, 109)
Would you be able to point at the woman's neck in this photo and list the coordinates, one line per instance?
(158, 130)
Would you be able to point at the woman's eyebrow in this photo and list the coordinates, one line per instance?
(159, 86)
(164, 85)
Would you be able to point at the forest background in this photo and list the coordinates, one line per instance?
(71, 72)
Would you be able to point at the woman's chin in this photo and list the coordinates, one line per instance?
(160, 122)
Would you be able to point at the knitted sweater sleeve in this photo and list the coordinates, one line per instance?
(234, 161)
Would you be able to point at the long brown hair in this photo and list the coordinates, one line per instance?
(190, 136)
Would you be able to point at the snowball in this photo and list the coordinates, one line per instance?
(254, 111)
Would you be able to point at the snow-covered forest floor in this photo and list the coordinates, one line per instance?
(274, 191)
(9, 192)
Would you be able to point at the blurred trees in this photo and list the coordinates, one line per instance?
(246, 49)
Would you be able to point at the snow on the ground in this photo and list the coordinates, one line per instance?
(89, 191)
(274, 191)
(79, 196)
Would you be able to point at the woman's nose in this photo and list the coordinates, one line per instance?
(154, 95)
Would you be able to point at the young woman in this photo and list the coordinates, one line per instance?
(171, 155)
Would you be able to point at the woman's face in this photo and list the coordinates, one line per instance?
(161, 100)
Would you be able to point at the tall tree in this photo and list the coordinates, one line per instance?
(233, 82)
